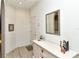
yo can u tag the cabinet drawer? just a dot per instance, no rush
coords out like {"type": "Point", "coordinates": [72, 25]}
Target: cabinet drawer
{"type": "Point", "coordinates": [36, 51]}
{"type": "Point", "coordinates": [46, 54]}
{"type": "Point", "coordinates": [39, 52]}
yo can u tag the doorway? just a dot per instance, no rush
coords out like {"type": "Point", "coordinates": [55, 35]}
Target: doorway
{"type": "Point", "coordinates": [2, 29]}
{"type": "Point", "coordinates": [0, 38]}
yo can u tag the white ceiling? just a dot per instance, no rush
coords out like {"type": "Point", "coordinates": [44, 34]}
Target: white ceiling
{"type": "Point", "coordinates": [25, 3]}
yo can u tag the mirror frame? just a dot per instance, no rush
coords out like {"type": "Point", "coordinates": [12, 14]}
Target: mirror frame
{"type": "Point", "coordinates": [58, 22]}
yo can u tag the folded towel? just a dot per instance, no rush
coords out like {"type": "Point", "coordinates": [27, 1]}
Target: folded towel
{"type": "Point", "coordinates": [29, 47]}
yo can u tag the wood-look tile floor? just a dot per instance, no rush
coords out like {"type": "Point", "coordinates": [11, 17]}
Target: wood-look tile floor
{"type": "Point", "coordinates": [20, 52]}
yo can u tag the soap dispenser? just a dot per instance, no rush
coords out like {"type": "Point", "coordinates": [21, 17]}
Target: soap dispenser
{"type": "Point", "coordinates": [41, 38]}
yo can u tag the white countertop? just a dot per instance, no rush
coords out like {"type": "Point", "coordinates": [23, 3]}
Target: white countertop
{"type": "Point", "coordinates": [55, 49]}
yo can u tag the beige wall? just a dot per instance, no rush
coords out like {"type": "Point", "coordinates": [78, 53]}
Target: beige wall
{"type": "Point", "coordinates": [22, 27]}
{"type": "Point", "coordinates": [10, 38]}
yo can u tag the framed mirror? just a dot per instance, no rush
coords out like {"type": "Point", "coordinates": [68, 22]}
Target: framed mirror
{"type": "Point", "coordinates": [53, 22]}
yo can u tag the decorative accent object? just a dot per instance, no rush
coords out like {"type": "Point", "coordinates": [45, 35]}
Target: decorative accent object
{"type": "Point", "coordinates": [11, 27]}
{"type": "Point", "coordinates": [64, 45]}
{"type": "Point", "coordinates": [41, 37]}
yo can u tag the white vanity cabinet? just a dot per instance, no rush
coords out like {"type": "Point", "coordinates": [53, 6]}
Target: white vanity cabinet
{"type": "Point", "coordinates": [46, 54]}
{"type": "Point", "coordinates": [46, 49]}
{"type": "Point", "coordinates": [36, 51]}
{"type": "Point", "coordinates": [39, 52]}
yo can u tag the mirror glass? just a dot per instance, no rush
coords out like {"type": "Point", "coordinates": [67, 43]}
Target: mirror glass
{"type": "Point", "coordinates": [53, 23]}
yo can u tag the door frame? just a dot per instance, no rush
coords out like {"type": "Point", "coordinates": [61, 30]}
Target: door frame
{"type": "Point", "coordinates": [3, 28]}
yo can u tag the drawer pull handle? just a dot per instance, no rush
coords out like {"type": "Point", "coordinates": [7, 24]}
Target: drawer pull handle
{"type": "Point", "coordinates": [42, 51]}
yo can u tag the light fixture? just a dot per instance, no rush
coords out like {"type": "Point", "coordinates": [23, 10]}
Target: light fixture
{"type": "Point", "coordinates": [20, 3]}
